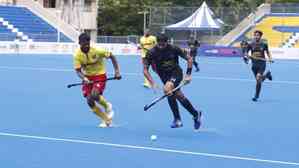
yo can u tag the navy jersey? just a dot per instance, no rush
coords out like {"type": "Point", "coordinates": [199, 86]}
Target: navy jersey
{"type": "Point", "coordinates": [193, 45]}
{"type": "Point", "coordinates": [165, 60]}
{"type": "Point", "coordinates": [258, 49]}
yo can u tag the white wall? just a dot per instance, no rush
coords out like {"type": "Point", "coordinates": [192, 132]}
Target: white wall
{"type": "Point", "coordinates": [62, 48]}
{"type": "Point", "coordinates": [117, 49]}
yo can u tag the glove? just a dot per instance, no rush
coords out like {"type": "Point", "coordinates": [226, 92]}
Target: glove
{"type": "Point", "coordinates": [86, 81]}
{"type": "Point", "coordinates": [245, 59]}
{"type": "Point", "coordinates": [187, 79]}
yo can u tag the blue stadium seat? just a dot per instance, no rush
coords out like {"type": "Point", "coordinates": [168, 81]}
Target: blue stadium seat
{"type": "Point", "coordinates": [6, 34]}
{"type": "Point", "coordinates": [294, 29]}
{"type": "Point", "coordinates": [30, 24]}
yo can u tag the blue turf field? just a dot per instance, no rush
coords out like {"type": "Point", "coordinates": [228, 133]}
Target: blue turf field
{"type": "Point", "coordinates": [43, 124]}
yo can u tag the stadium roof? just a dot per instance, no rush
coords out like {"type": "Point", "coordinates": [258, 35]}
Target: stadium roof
{"type": "Point", "coordinates": [201, 19]}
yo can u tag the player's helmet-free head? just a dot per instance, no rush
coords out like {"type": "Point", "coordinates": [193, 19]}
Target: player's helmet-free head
{"type": "Point", "coordinates": [162, 38]}
{"type": "Point", "coordinates": [162, 41]}
{"type": "Point", "coordinates": [84, 38]}
{"type": "Point", "coordinates": [192, 41]}
{"type": "Point", "coordinates": [258, 35]}
{"type": "Point", "coordinates": [259, 32]}
{"type": "Point", "coordinates": [84, 41]}
{"type": "Point", "coordinates": [147, 32]}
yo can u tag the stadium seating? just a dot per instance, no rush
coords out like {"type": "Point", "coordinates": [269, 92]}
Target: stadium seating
{"type": "Point", "coordinates": [294, 29]}
{"type": "Point", "coordinates": [278, 30]}
{"type": "Point", "coordinates": [29, 24]}
{"type": "Point", "coordinates": [275, 38]}
{"type": "Point", "coordinates": [6, 34]}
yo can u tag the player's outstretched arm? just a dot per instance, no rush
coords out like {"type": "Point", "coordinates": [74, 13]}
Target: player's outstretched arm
{"type": "Point", "coordinates": [82, 76]}
{"type": "Point", "coordinates": [189, 60]}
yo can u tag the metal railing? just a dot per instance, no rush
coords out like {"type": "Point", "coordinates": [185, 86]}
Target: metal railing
{"type": "Point", "coordinates": [118, 39]}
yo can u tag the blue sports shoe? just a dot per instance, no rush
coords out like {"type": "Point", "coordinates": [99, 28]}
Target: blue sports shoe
{"type": "Point", "coordinates": [197, 121]}
{"type": "Point", "coordinates": [255, 99]}
{"type": "Point", "coordinates": [269, 76]}
{"type": "Point", "coordinates": [176, 124]}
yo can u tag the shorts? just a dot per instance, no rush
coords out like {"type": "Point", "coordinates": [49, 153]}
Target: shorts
{"type": "Point", "coordinates": [193, 54]}
{"type": "Point", "coordinates": [258, 66]}
{"type": "Point", "coordinates": [99, 85]}
{"type": "Point", "coordinates": [175, 76]}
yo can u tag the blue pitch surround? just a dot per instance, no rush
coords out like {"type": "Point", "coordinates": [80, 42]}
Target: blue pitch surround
{"type": "Point", "coordinates": [44, 124]}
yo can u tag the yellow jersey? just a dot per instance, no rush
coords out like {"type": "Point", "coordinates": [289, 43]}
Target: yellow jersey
{"type": "Point", "coordinates": [147, 43]}
{"type": "Point", "coordinates": [91, 63]}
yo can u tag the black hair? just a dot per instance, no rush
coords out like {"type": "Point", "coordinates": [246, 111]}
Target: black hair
{"type": "Point", "coordinates": [259, 32]}
{"type": "Point", "coordinates": [193, 41]}
{"type": "Point", "coordinates": [162, 38]}
{"type": "Point", "coordinates": [84, 37]}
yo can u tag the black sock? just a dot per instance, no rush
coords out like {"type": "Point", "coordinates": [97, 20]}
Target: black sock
{"type": "Point", "coordinates": [258, 89]}
{"type": "Point", "coordinates": [195, 64]}
{"type": "Point", "coordinates": [263, 77]}
{"type": "Point", "coordinates": [174, 107]}
{"type": "Point", "coordinates": [188, 106]}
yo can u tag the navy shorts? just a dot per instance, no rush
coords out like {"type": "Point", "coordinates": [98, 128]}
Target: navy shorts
{"type": "Point", "coordinates": [175, 76]}
{"type": "Point", "coordinates": [258, 66]}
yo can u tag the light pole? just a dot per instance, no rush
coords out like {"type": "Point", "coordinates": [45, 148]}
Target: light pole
{"type": "Point", "coordinates": [144, 19]}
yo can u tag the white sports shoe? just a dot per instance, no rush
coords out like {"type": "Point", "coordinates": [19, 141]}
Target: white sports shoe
{"type": "Point", "coordinates": [109, 111]}
{"type": "Point", "coordinates": [146, 85]}
{"type": "Point", "coordinates": [105, 124]}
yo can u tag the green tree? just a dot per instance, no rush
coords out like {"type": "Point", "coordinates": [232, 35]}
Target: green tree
{"type": "Point", "coordinates": [120, 17]}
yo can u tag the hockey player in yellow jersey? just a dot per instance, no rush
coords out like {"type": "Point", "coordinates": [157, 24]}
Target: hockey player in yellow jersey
{"type": "Point", "coordinates": [147, 41]}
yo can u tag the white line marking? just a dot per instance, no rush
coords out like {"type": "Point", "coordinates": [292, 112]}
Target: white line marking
{"type": "Point", "coordinates": [140, 74]}
{"type": "Point", "coordinates": [243, 64]}
{"type": "Point", "coordinates": [227, 79]}
{"type": "Point", "coordinates": [150, 148]}
{"type": "Point", "coordinates": [245, 80]}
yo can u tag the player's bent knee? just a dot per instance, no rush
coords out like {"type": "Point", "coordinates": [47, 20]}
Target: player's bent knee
{"type": "Point", "coordinates": [259, 77]}
{"type": "Point", "coordinates": [179, 94]}
{"type": "Point", "coordinates": [95, 95]}
{"type": "Point", "coordinates": [166, 90]}
{"type": "Point", "coordinates": [168, 87]}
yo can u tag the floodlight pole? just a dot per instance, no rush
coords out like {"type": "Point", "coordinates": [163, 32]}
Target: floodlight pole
{"type": "Point", "coordinates": [144, 19]}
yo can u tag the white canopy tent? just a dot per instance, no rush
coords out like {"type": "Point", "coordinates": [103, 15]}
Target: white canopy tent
{"type": "Point", "coordinates": [201, 19]}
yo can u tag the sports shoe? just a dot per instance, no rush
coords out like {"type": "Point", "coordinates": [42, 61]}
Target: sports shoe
{"type": "Point", "coordinates": [269, 75]}
{"type": "Point", "coordinates": [197, 121]}
{"type": "Point", "coordinates": [176, 124]}
{"type": "Point", "coordinates": [254, 99]}
{"type": "Point", "coordinates": [105, 124]}
{"type": "Point", "coordinates": [109, 111]}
